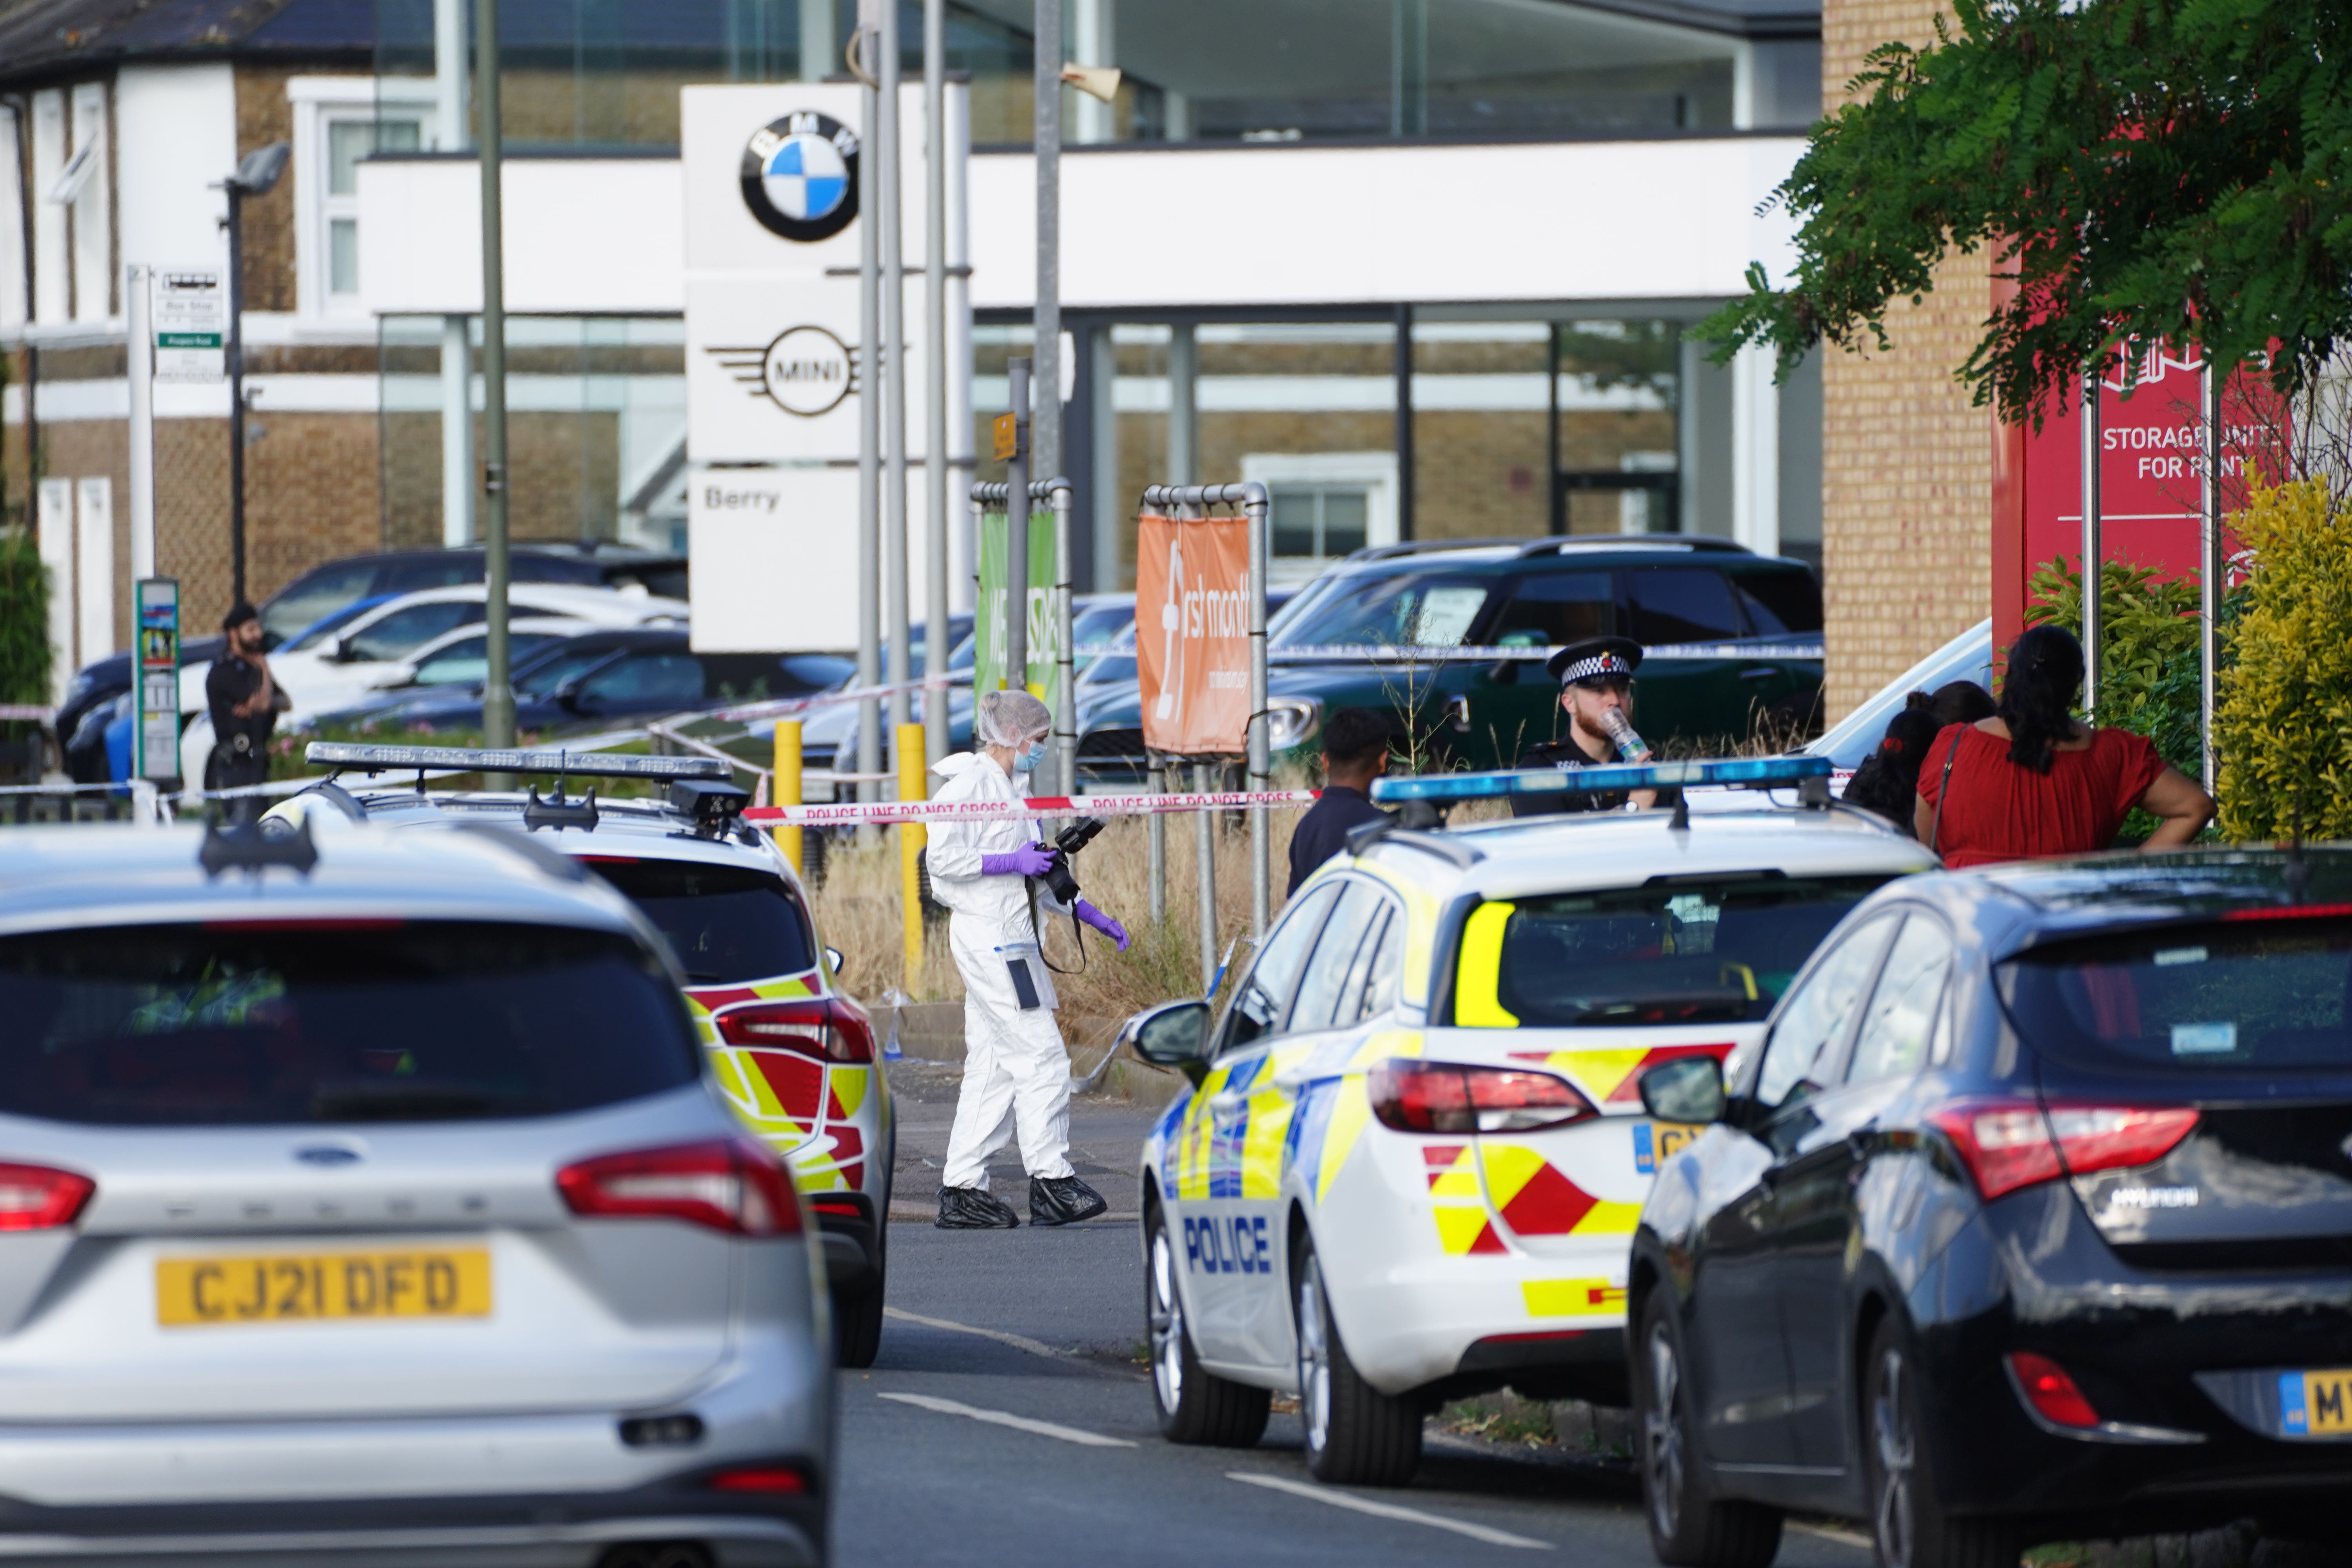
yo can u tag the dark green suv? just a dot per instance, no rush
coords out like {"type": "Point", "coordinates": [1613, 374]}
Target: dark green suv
{"type": "Point", "coordinates": [1450, 642]}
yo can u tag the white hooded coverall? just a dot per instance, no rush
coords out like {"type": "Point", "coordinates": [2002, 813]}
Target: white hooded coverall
{"type": "Point", "coordinates": [1016, 1071]}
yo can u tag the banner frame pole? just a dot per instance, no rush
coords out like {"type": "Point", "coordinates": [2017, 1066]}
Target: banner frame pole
{"type": "Point", "coordinates": [2210, 570]}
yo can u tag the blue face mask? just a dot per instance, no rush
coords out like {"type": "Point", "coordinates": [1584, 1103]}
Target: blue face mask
{"type": "Point", "coordinates": [1029, 761]}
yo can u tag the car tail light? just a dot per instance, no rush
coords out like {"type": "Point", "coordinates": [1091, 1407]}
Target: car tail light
{"type": "Point", "coordinates": [826, 1027]}
{"type": "Point", "coordinates": [2008, 1144]}
{"type": "Point", "coordinates": [733, 1184]}
{"type": "Point", "coordinates": [33, 1197]}
{"type": "Point", "coordinates": [783, 1481]}
{"type": "Point", "coordinates": [2052, 1394]}
{"type": "Point", "coordinates": [1440, 1097]}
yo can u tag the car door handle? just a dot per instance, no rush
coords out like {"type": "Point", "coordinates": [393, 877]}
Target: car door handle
{"type": "Point", "coordinates": [1760, 672]}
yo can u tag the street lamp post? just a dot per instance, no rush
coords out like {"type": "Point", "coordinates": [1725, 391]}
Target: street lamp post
{"type": "Point", "coordinates": [497, 692]}
{"type": "Point", "coordinates": [256, 176]}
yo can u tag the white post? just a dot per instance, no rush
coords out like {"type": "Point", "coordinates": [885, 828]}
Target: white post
{"type": "Point", "coordinates": [2092, 555]}
{"type": "Point", "coordinates": [819, 41]}
{"type": "Point", "coordinates": [1205, 842]}
{"type": "Point", "coordinates": [458, 481]}
{"type": "Point", "coordinates": [936, 151]}
{"type": "Point", "coordinates": [1065, 698]}
{"type": "Point", "coordinates": [893, 386]}
{"type": "Point", "coordinates": [138, 351]}
{"type": "Point", "coordinates": [1260, 762]}
{"type": "Point", "coordinates": [869, 379]}
{"type": "Point", "coordinates": [94, 539]}
{"type": "Point", "coordinates": [1756, 449]}
{"type": "Point", "coordinates": [55, 504]}
{"type": "Point", "coordinates": [2212, 565]}
{"type": "Point", "coordinates": [1094, 42]}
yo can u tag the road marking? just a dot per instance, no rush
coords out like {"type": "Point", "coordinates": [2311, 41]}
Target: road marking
{"type": "Point", "coordinates": [1385, 1509]}
{"type": "Point", "coordinates": [1018, 1341]}
{"type": "Point", "coordinates": [1018, 1423]}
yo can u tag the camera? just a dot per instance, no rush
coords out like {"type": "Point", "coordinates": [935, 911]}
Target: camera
{"type": "Point", "coordinates": [1066, 842]}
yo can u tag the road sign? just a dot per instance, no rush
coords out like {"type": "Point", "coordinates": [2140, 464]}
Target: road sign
{"type": "Point", "coordinates": [191, 316]}
{"type": "Point", "coordinates": [156, 730]}
{"type": "Point", "coordinates": [1008, 438]}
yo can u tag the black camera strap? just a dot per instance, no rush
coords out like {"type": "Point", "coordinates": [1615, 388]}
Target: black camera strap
{"type": "Point", "coordinates": [1078, 932]}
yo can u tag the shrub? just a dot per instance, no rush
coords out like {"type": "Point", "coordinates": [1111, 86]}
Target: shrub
{"type": "Point", "coordinates": [2284, 725]}
{"type": "Point", "coordinates": [24, 619]}
{"type": "Point", "coordinates": [2149, 677]}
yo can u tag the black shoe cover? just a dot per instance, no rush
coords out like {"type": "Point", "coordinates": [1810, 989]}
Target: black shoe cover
{"type": "Point", "coordinates": [970, 1208]}
{"type": "Point", "coordinates": [1063, 1200]}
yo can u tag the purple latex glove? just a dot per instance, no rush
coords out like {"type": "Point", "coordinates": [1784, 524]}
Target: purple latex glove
{"type": "Point", "coordinates": [1101, 922]}
{"type": "Point", "coordinates": [1029, 860]}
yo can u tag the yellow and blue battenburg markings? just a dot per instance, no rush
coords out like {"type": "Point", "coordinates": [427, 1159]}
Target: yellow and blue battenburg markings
{"type": "Point", "coordinates": [1745, 772]}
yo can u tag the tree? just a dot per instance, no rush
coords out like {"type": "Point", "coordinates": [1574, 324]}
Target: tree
{"type": "Point", "coordinates": [2158, 170]}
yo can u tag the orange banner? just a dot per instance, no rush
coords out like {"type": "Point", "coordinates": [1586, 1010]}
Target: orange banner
{"type": "Point", "coordinates": [1193, 594]}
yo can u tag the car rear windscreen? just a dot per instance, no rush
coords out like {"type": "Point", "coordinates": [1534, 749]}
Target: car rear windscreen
{"type": "Point", "coordinates": [1674, 951]}
{"type": "Point", "coordinates": [725, 923]}
{"type": "Point", "coordinates": [2266, 993]}
{"type": "Point", "coordinates": [256, 1023]}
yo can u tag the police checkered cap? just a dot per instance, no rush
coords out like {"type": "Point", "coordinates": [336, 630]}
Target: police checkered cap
{"type": "Point", "coordinates": [1600, 665]}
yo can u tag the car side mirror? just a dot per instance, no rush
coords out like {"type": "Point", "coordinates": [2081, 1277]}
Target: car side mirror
{"type": "Point", "coordinates": [344, 652]}
{"type": "Point", "coordinates": [1172, 1035]}
{"type": "Point", "coordinates": [1687, 1089]}
{"type": "Point", "coordinates": [833, 960]}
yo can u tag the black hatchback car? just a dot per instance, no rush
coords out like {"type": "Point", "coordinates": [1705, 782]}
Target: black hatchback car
{"type": "Point", "coordinates": [2030, 1218]}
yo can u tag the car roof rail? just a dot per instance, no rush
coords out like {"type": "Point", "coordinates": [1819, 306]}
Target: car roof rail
{"type": "Point", "coordinates": [257, 846]}
{"type": "Point", "coordinates": [1562, 544]}
{"type": "Point", "coordinates": [1425, 547]}
{"type": "Point", "coordinates": [557, 813]}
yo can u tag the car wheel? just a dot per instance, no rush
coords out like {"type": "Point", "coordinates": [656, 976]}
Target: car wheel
{"type": "Point", "coordinates": [1356, 1435]}
{"type": "Point", "coordinates": [1195, 1407]}
{"type": "Point", "coordinates": [857, 1314]}
{"type": "Point", "coordinates": [1908, 1525]}
{"type": "Point", "coordinates": [1687, 1528]}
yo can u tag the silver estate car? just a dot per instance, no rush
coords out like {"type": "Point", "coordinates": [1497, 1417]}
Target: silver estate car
{"type": "Point", "coordinates": [368, 1199]}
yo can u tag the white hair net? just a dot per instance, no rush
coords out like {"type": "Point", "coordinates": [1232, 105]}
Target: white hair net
{"type": "Point", "coordinates": [1009, 718]}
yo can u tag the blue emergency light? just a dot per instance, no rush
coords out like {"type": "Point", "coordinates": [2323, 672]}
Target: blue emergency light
{"type": "Point", "coordinates": [1736, 772]}
{"type": "Point", "coordinates": [361, 758]}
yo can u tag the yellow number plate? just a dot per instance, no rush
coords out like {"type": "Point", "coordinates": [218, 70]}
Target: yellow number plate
{"type": "Point", "coordinates": [2312, 1402]}
{"type": "Point", "coordinates": [440, 1283]}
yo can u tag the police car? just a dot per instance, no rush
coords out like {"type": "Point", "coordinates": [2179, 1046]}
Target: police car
{"type": "Point", "coordinates": [1413, 1155]}
{"type": "Point", "coordinates": [794, 1054]}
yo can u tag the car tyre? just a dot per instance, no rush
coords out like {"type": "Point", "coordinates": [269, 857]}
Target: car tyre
{"type": "Point", "coordinates": [1909, 1526]}
{"type": "Point", "coordinates": [1687, 1528]}
{"type": "Point", "coordinates": [1356, 1435]}
{"type": "Point", "coordinates": [1195, 1407]}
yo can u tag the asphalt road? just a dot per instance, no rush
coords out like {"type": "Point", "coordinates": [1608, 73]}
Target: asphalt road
{"type": "Point", "coordinates": [1009, 1420]}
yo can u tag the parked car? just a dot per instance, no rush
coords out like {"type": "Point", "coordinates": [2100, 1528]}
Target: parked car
{"type": "Point", "coordinates": [1412, 1157]}
{"type": "Point", "coordinates": [2026, 1220]}
{"type": "Point", "coordinates": [1734, 644]}
{"type": "Point", "coordinates": [371, 1190]}
{"type": "Point", "coordinates": [1967, 657]}
{"type": "Point", "coordinates": [335, 585]}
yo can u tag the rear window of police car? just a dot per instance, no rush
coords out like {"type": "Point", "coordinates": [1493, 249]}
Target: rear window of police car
{"type": "Point", "coordinates": [725, 923]}
{"type": "Point", "coordinates": [267, 1021]}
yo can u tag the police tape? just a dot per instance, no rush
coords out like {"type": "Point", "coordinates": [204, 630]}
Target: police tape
{"type": "Point", "coordinates": [1038, 806]}
{"type": "Point", "coordinates": [27, 712]}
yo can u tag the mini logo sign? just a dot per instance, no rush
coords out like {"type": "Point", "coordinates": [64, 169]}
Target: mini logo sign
{"type": "Point", "coordinates": [800, 177]}
{"type": "Point", "coordinates": [805, 371]}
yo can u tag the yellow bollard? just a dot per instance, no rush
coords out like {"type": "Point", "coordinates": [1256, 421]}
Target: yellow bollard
{"type": "Point", "coordinates": [911, 838]}
{"type": "Point", "coordinates": [788, 785]}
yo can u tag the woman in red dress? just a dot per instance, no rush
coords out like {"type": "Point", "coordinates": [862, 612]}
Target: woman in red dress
{"type": "Point", "coordinates": [2032, 780]}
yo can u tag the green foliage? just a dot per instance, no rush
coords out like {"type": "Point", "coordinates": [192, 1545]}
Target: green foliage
{"type": "Point", "coordinates": [2149, 679]}
{"type": "Point", "coordinates": [24, 619]}
{"type": "Point", "coordinates": [2284, 726]}
{"type": "Point", "coordinates": [2158, 170]}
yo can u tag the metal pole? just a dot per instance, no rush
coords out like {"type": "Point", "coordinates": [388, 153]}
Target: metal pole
{"type": "Point", "coordinates": [497, 692]}
{"type": "Point", "coordinates": [1046, 444]}
{"type": "Point", "coordinates": [1261, 764]}
{"type": "Point", "coordinates": [1403, 372]}
{"type": "Point", "coordinates": [139, 349]}
{"type": "Point", "coordinates": [1183, 390]}
{"type": "Point", "coordinates": [2211, 567]}
{"type": "Point", "coordinates": [2092, 555]}
{"type": "Point", "coordinates": [1016, 534]}
{"type": "Point", "coordinates": [893, 275]}
{"type": "Point", "coordinates": [456, 348]}
{"type": "Point", "coordinates": [1205, 840]}
{"type": "Point", "coordinates": [1065, 699]}
{"type": "Point", "coordinates": [935, 374]}
{"type": "Point", "coordinates": [236, 392]}
{"type": "Point", "coordinates": [869, 432]}
{"type": "Point", "coordinates": [1156, 834]}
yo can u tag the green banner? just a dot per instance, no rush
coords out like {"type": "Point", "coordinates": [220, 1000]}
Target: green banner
{"type": "Point", "coordinates": [1045, 627]}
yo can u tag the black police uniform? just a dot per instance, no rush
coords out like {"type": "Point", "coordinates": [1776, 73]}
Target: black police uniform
{"type": "Point", "coordinates": [1323, 831]}
{"type": "Point", "coordinates": [1594, 659]}
{"type": "Point", "coordinates": [240, 754]}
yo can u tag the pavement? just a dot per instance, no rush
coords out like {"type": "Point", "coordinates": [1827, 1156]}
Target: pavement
{"type": "Point", "coordinates": [1008, 1417]}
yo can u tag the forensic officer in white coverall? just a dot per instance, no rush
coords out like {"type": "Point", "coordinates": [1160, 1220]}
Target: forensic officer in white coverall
{"type": "Point", "coordinates": [1016, 1071]}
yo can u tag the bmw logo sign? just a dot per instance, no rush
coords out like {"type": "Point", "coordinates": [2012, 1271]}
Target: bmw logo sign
{"type": "Point", "coordinates": [800, 177]}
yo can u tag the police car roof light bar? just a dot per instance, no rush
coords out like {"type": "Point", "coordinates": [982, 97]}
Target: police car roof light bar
{"type": "Point", "coordinates": [1738, 772]}
{"type": "Point", "coordinates": [355, 757]}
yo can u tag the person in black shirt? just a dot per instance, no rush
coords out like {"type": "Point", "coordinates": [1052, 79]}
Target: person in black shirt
{"type": "Point", "coordinates": [1355, 752]}
{"type": "Point", "coordinates": [1596, 678]}
{"type": "Point", "coordinates": [245, 702]}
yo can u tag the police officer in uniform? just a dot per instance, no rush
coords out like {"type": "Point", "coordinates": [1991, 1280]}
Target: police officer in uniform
{"type": "Point", "coordinates": [1596, 678]}
{"type": "Point", "coordinates": [245, 701]}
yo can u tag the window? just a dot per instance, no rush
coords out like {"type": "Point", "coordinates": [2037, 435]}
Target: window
{"type": "Point", "coordinates": [348, 142]}
{"type": "Point", "coordinates": [312, 596]}
{"type": "Point", "coordinates": [1803, 1045]}
{"type": "Point", "coordinates": [467, 661]}
{"type": "Point", "coordinates": [1679, 605]}
{"type": "Point", "coordinates": [1901, 1019]}
{"type": "Point", "coordinates": [339, 121]}
{"type": "Point", "coordinates": [564, 665]}
{"type": "Point", "coordinates": [647, 679]}
{"type": "Point", "coordinates": [1318, 522]}
{"type": "Point", "coordinates": [402, 632]}
{"type": "Point", "coordinates": [1556, 608]}
{"type": "Point", "coordinates": [1258, 1005]}
{"type": "Point", "coordinates": [1327, 975]}
{"type": "Point", "coordinates": [725, 923]}
{"type": "Point", "coordinates": [1404, 609]}
{"type": "Point", "coordinates": [1779, 604]}
{"type": "Point", "coordinates": [1384, 970]}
